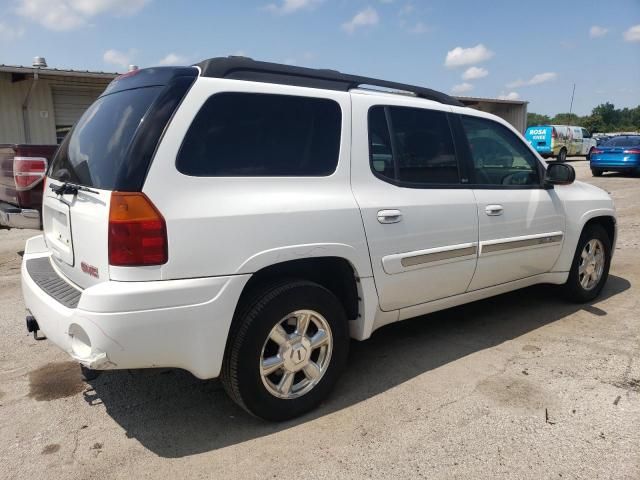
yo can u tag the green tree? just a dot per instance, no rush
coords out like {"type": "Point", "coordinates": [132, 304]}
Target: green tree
{"type": "Point", "coordinates": [537, 119]}
{"type": "Point", "coordinates": [593, 123]}
{"type": "Point", "coordinates": [608, 113]}
{"type": "Point", "coordinates": [566, 119]}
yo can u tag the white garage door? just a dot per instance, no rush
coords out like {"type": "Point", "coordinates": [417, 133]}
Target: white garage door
{"type": "Point", "coordinates": [69, 103]}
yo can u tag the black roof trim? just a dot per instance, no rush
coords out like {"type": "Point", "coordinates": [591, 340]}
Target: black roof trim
{"type": "Point", "coordinates": [243, 68]}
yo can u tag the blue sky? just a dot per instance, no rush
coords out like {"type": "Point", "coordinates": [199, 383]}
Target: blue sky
{"type": "Point", "coordinates": [532, 50]}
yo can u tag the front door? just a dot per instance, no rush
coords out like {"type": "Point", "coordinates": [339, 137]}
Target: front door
{"type": "Point", "coordinates": [421, 222]}
{"type": "Point", "coordinates": [521, 224]}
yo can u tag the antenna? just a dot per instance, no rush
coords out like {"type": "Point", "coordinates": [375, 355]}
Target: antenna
{"type": "Point", "coordinates": [571, 106]}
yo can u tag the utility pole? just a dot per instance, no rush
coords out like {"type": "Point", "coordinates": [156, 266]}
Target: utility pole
{"type": "Point", "coordinates": [572, 94]}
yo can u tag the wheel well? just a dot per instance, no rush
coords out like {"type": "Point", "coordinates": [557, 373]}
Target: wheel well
{"type": "Point", "coordinates": [608, 223]}
{"type": "Point", "coordinates": [334, 273]}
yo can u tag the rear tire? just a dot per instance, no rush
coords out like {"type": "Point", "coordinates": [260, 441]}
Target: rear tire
{"type": "Point", "coordinates": [589, 154]}
{"type": "Point", "coordinates": [271, 367]}
{"type": "Point", "coordinates": [590, 267]}
{"type": "Point", "coordinates": [596, 172]}
{"type": "Point", "coordinates": [562, 155]}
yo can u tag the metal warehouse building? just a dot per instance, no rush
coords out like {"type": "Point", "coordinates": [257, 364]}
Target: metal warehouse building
{"type": "Point", "coordinates": [38, 105]}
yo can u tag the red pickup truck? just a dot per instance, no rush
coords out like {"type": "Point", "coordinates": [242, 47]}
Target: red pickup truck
{"type": "Point", "coordinates": [22, 169]}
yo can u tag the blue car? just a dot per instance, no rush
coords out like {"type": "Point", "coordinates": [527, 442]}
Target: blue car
{"type": "Point", "coordinates": [619, 154]}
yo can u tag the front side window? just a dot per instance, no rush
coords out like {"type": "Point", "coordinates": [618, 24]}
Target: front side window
{"type": "Point", "coordinates": [262, 135]}
{"type": "Point", "coordinates": [412, 146]}
{"type": "Point", "coordinates": [499, 156]}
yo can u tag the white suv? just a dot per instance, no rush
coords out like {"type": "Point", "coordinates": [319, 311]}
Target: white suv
{"type": "Point", "coordinates": [244, 220]}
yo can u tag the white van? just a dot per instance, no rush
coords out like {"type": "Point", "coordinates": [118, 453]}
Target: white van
{"type": "Point", "coordinates": [560, 141]}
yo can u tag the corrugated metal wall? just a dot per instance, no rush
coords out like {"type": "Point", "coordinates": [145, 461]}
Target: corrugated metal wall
{"type": "Point", "coordinates": [515, 114]}
{"type": "Point", "coordinates": [41, 112]}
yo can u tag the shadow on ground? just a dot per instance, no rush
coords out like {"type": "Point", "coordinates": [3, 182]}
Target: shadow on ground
{"type": "Point", "coordinates": [174, 414]}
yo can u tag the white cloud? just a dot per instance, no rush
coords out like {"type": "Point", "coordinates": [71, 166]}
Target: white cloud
{"type": "Point", "coordinates": [173, 59]}
{"type": "Point", "coordinates": [459, 56]}
{"type": "Point", "coordinates": [286, 7]}
{"type": "Point", "coordinates": [633, 34]}
{"type": "Point", "coordinates": [406, 9]}
{"type": "Point", "coordinates": [418, 29]}
{"type": "Point", "coordinates": [461, 88]}
{"type": "Point", "coordinates": [364, 18]}
{"type": "Point", "coordinates": [8, 32]}
{"type": "Point", "coordinates": [509, 96]}
{"type": "Point", "coordinates": [597, 31]}
{"type": "Point", "coordinates": [63, 15]}
{"type": "Point", "coordinates": [473, 73]}
{"type": "Point", "coordinates": [118, 58]}
{"type": "Point", "coordinates": [535, 80]}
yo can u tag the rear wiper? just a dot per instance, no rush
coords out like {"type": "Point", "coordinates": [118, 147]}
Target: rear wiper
{"type": "Point", "coordinates": [68, 188]}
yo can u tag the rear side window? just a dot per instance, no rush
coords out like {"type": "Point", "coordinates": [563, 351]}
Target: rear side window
{"type": "Point", "coordinates": [95, 153]}
{"type": "Point", "coordinates": [250, 134]}
{"type": "Point", "coordinates": [412, 146]}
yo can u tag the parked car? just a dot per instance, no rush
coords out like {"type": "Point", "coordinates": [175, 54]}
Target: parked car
{"type": "Point", "coordinates": [244, 219]}
{"type": "Point", "coordinates": [560, 141]}
{"type": "Point", "coordinates": [22, 170]}
{"type": "Point", "coordinates": [618, 154]}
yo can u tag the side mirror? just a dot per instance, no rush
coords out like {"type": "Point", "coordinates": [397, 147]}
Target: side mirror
{"type": "Point", "coordinates": [559, 174]}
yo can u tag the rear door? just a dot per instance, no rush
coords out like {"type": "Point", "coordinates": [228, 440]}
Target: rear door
{"type": "Point", "coordinates": [420, 219]}
{"type": "Point", "coordinates": [110, 148]}
{"type": "Point", "coordinates": [577, 140]}
{"type": "Point", "coordinates": [521, 223]}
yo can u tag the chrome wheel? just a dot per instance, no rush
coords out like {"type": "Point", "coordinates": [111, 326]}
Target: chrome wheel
{"type": "Point", "coordinates": [296, 354]}
{"type": "Point", "coordinates": [592, 260]}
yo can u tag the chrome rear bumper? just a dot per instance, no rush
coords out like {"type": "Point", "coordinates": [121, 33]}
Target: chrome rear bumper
{"type": "Point", "coordinates": [16, 217]}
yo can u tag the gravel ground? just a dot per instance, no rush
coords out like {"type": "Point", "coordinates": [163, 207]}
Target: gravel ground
{"type": "Point", "coordinates": [523, 385]}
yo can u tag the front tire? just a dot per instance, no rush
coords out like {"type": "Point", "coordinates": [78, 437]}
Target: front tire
{"type": "Point", "coordinates": [562, 155]}
{"type": "Point", "coordinates": [287, 347]}
{"type": "Point", "coordinates": [590, 267]}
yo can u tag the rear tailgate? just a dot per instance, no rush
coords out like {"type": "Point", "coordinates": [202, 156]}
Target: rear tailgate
{"type": "Point", "coordinates": [8, 191]}
{"type": "Point", "coordinates": [109, 149]}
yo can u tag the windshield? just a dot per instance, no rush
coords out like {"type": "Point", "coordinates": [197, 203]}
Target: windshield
{"type": "Point", "coordinates": [95, 153]}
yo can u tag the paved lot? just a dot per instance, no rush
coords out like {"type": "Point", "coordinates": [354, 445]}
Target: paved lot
{"type": "Point", "coordinates": [520, 386]}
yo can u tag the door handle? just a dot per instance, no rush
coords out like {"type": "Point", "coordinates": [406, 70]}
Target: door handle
{"type": "Point", "coordinates": [389, 216]}
{"type": "Point", "coordinates": [494, 210]}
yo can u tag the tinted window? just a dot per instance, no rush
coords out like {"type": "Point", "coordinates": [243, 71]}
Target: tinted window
{"type": "Point", "coordinates": [95, 152]}
{"type": "Point", "coordinates": [626, 141]}
{"type": "Point", "coordinates": [248, 134]}
{"type": "Point", "coordinates": [499, 156]}
{"type": "Point", "coordinates": [412, 146]}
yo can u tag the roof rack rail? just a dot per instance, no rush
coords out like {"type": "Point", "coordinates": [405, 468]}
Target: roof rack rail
{"type": "Point", "coordinates": [244, 68]}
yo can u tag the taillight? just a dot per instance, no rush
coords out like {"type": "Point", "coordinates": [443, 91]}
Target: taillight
{"type": "Point", "coordinates": [137, 231]}
{"type": "Point", "coordinates": [27, 171]}
{"type": "Point", "coordinates": [596, 151]}
{"type": "Point", "coordinates": [554, 134]}
{"type": "Point", "coordinates": [632, 151]}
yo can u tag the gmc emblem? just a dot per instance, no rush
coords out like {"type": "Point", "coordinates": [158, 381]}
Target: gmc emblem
{"type": "Point", "coordinates": [89, 269]}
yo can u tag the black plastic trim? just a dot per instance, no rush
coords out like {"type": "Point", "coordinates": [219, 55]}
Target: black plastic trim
{"type": "Point", "coordinates": [43, 274]}
{"type": "Point", "coordinates": [243, 68]}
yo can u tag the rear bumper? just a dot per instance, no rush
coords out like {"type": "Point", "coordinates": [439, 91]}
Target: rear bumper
{"type": "Point", "coordinates": [621, 163]}
{"type": "Point", "coordinates": [16, 217]}
{"type": "Point", "coordinates": [122, 325]}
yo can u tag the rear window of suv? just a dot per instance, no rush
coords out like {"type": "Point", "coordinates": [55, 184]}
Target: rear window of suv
{"type": "Point", "coordinates": [96, 151]}
{"type": "Point", "coordinates": [260, 135]}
